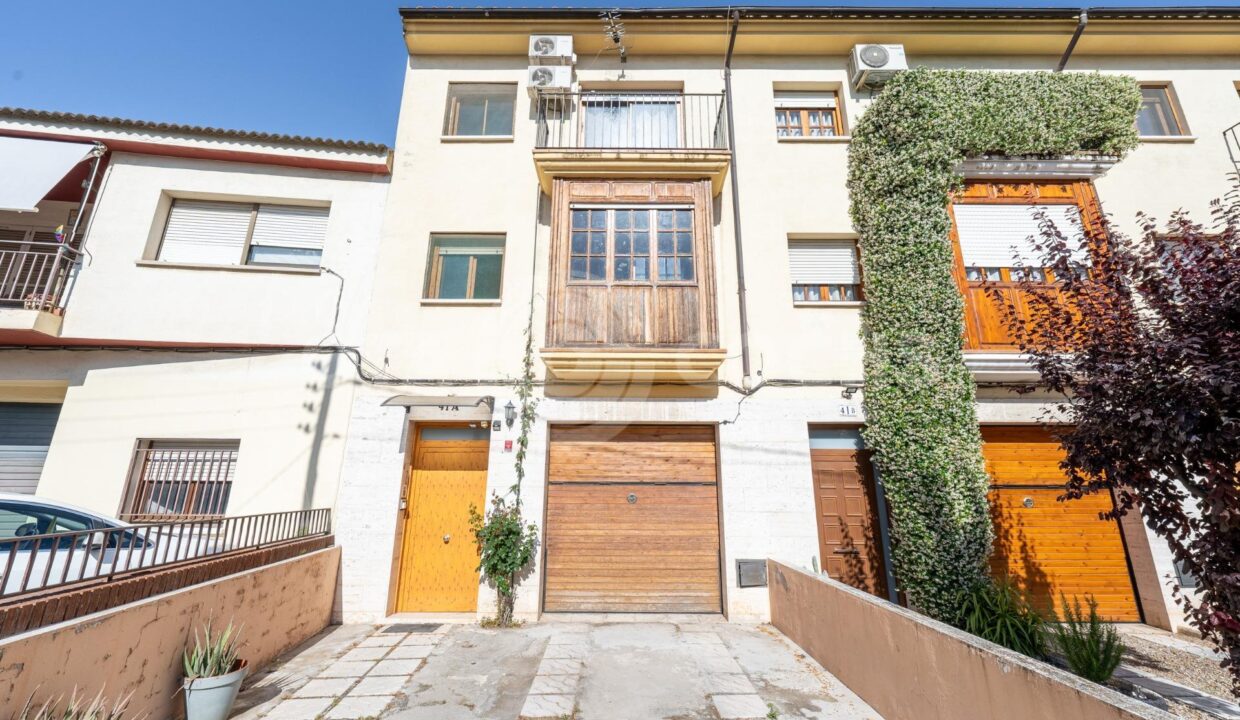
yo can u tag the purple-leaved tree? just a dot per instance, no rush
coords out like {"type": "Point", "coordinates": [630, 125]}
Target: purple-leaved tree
{"type": "Point", "coordinates": [1144, 345]}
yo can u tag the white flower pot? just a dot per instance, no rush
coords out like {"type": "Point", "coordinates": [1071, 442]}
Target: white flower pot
{"type": "Point", "coordinates": [212, 698]}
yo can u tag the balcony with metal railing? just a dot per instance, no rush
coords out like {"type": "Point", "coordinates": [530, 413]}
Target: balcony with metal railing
{"type": "Point", "coordinates": [631, 134]}
{"type": "Point", "coordinates": [33, 280]}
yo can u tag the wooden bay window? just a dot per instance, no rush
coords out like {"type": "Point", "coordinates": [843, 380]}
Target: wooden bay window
{"type": "Point", "coordinates": [631, 265]}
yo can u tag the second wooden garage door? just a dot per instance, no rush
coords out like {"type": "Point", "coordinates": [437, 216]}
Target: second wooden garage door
{"type": "Point", "coordinates": [632, 520]}
{"type": "Point", "coordinates": [1049, 546]}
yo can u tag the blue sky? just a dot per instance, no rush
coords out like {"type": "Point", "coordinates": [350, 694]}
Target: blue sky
{"type": "Point", "coordinates": [310, 67]}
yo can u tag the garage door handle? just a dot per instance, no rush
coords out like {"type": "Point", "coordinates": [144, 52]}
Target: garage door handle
{"type": "Point", "coordinates": [849, 551]}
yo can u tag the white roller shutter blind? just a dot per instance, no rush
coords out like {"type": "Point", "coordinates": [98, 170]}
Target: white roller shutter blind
{"type": "Point", "coordinates": [995, 235]}
{"type": "Point", "coordinates": [824, 262]}
{"type": "Point", "coordinates": [290, 226]}
{"type": "Point", "coordinates": [796, 99]}
{"type": "Point", "coordinates": [206, 233]}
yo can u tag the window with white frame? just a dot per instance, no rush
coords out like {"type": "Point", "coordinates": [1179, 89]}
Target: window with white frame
{"type": "Point", "coordinates": [824, 271]}
{"type": "Point", "coordinates": [208, 232]}
{"type": "Point", "coordinates": [181, 478]}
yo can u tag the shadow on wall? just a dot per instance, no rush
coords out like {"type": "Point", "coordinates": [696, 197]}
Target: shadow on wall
{"type": "Point", "coordinates": [1013, 556]}
{"type": "Point", "coordinates": [318, 428]}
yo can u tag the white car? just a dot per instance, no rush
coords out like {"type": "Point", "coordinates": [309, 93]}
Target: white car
{"type": "Point", "coordinates": [44, 543]}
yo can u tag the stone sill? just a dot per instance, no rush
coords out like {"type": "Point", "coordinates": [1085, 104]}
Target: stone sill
{"type": "Point", "coordinates": [276, 269]}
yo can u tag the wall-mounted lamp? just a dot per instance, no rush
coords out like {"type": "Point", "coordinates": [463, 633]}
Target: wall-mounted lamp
{"type": "Point", "coordinates": [510, 413]}
{"type": "Point", "coordinates": [849, 391]}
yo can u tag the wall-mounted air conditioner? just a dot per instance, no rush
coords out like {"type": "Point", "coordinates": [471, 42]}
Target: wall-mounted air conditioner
{"type": "Point", "coordinates": [873, 65]}
{"type": "Point", "coordinates": [552, 50]}
{"type": "Point", "coordinates": [550, 78]}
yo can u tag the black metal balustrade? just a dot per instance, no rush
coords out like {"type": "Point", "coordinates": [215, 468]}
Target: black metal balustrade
{"type": "Point", "coordinates": [34, 563]}
{"type": "Point", "coordinates": [631, 121]}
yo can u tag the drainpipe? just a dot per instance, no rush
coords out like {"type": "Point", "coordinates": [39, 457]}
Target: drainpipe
{"type": "Point", "coordinates": [736, 200]}
{"type": "Point", "coordinates": [1081, 22]}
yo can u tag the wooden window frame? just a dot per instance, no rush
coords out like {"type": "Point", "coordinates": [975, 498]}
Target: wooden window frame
{"type": "Point", "coordinates": [632, 315]}
{"type": "Point", "coordinates": [1080, 193]}
{"type": "Point", "coordinates": [451, 118]}
{"type": "Point", "coordinates": [609, 247]}
{"type": "Point", "coordinates": [249, 233]}
{"type": "Point", "coordinates": [435, 268]}
{"type": "Point", "coordinates": [824, 291]}
{"type": "Point", "coordinates": [802, 114]}
{"type": "Point", "coordinates": [1173, 104]}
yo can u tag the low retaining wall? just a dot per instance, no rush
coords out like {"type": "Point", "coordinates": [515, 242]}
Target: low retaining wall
{"type": "Point", "coordinates": [78, 601]}
{"type": "Point", "coordinates": [909, 667]}
{"type": "Point", "coordinates": [136, 648]}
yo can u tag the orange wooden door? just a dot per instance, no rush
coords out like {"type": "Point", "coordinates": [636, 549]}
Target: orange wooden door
{"type": "Point", "coordinates": [1047, 546]}
{"type": "Point", "coordinates": [632, 520]}
{"type": "Point", "coordinates": [848, 536]}
{"type": "Point", "coordinates": [438, 557]}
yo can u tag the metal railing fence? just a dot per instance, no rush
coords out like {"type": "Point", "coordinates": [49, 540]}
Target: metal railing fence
{"type": "Point", "coordinates": [35, 563]}
{"type": "Point", "coordinates": [33, 274]}
{"type": "Point", "coordinates": [631, 121]}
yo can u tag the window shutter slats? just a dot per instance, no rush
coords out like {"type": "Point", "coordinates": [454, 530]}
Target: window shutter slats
{"type": "Point", "coordinates": [824, 262]}
{"type": "Point", "coordinates": [825, 99]}
{"type": "Point", "coordinates": [996, 235]}
{"type": "Point", "coordinates": [208, 233]}
{"type": "Point", "coordinates": [290, 226]}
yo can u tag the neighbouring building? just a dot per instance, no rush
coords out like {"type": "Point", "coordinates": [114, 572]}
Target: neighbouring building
{"type": "Point", "coordinates": [172, 304]}
{"type": "Point", "coordinates": [690, 278]}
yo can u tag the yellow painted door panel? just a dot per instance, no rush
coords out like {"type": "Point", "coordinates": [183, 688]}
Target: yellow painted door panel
{"type": "Point", "coordinates": [439, 560]}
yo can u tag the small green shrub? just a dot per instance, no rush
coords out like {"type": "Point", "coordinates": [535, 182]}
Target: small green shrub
{"type": "Point", "coordinates": [212, 655]}
{"type": "Point", "coordinates": [1000, 612]}
{"type": "Point", "coordinates": [77, 709]}
{"type": "Point", "coordinates": [506, 547]}
{"type": "Point", "coordinates": [1092, 647]}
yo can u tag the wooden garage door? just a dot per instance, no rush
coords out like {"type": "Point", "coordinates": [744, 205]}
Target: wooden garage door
{"type": "Point", "coordinates": [1050, 546]}
{"type": "Point", "coordinates": [632, 520]}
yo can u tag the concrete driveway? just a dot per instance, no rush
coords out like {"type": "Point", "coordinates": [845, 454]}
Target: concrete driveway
{"type": "Point", "coordinates": [558, 669]}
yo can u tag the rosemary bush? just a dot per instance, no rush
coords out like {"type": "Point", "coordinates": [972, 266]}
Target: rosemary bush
{"type": "Point", "coordinates": [1092, 647]}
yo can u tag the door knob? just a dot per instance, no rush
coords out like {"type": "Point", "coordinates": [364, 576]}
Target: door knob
{"type": "Point", "coordinates": [447, 539]}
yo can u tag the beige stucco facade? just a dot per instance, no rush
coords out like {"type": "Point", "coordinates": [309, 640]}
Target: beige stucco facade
{"type": "Point", "coordinates": [789, 189]}
{"type": "Point", "coordinates": [145, 350]}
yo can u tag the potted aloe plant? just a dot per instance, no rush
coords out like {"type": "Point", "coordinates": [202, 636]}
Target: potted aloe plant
{"type": "Point", "coordinates": [213, 674]}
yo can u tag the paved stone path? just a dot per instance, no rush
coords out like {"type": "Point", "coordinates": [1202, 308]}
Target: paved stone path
{"type": "Point", "coordinates": [582, 671]}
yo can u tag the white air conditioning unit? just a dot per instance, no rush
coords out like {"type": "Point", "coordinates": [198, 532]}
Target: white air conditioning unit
{"type": "Point", "coordinates": [873, 65]}
{"type": "Point", "coordinates": [550, 78]}
{"type": "Point", "coordinates": [552, 50]}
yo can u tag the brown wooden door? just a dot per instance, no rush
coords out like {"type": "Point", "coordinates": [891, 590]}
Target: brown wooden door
{"type": "Point", "coordinates": [632, 520]}
{"type": "Point", "coordinates": [848, 533]}
{"type": "Point", "coordinates": [1049, 546]}
{"type": "Point", "coordinates": [438, 556]}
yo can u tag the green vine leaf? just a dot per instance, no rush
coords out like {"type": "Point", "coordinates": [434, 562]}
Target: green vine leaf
{"type": "Point", "coordinates": [919, 396]}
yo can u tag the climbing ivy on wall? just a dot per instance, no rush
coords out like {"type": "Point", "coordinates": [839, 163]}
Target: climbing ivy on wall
{"type": "Point", "coordinates": [919, 396]}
